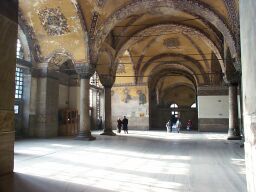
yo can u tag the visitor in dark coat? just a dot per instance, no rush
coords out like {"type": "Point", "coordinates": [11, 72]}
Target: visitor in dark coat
{"type": "Point", "coordinates": [125, 124]}
{"type": "Point", "coordinates": [119, 125]}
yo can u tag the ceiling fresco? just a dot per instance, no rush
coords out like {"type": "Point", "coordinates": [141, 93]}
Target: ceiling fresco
{"type": "Point", "coordinates": [136, 40]}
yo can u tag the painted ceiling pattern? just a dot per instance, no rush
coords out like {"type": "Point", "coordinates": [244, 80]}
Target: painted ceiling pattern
{"type": "Point", "coordinates": [53, 21]}
{"type": "Point", "coordinates": [164, 37]}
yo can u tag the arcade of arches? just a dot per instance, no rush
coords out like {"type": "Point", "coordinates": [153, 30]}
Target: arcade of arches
{"type": "Point", "coordinates": [88, 62]}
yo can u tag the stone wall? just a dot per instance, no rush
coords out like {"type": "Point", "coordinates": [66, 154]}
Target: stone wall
{"type": "Point", "coordinates": [47, 107]}
{"type": "Point", "coordinates": [8, 34]}
{"type": "Point", "coordinates": [63, 96]}
{"type": "Point", "coordinates": [248, 47]}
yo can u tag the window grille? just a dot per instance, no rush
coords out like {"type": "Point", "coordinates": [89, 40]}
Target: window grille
{"type": "Point", "coordinates": [18, 83]}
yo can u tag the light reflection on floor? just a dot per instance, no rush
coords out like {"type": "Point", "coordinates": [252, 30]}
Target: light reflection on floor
{"type": "Point", "coordinates": [140, 161]}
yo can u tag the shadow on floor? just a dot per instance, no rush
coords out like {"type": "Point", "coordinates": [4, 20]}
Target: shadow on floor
{"type": "Point", "coordinates": [18, 182]}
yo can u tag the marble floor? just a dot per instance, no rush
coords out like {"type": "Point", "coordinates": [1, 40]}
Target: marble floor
{"type": "Point", "coordinates": [138, 162]}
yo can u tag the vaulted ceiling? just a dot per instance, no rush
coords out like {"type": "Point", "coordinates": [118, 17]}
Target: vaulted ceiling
{"type": "Point", "coordinates": [142, 40]}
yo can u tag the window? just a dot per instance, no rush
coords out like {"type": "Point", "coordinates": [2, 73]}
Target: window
{"type": "Point", "coordinates": [173, 107]}
{"type": "Point", "coordinates": [95, 80]}
{"type": "Point", "coordinates": [91, 97]}
{"type": "Point", "coordinates": [19, 50]}
{"type": "Point", "coordinates": [193, 105]}
{"type": "Point", "coordinates": [16, 109]}
{"type": "Point", "coordinates": [175, 113]}
{"type": "Point", "coordinates": [18, 83]}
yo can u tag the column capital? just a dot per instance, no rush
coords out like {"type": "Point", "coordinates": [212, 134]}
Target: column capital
{"type": "Point", "coordinates": [85, 71]}
{"type": "Point", "coordinates": [41, 72]}
{"type": "Point", "coordinates": [107, 80]}
{"type": "Point", "coordinates": [232, 78]}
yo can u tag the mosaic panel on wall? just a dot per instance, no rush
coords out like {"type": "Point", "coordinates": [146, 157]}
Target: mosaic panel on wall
{"type": "Point", "coordinates": [53, 21]}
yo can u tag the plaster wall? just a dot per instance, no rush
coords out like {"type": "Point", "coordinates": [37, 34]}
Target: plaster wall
{"type": "Point", "coordinates": [213, 113]}
{"type": "Point", "coordinates": [213, 106]}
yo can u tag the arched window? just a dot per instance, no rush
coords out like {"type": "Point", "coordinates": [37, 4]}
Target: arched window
{"type": "Point", "coordinates": [173, 107]}
{"type": "Point", "coordinates": [95, 80]}
{"type": "Point", "coordinates": [193, 105]}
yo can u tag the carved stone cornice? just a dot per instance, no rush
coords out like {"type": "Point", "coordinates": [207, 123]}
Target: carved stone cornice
{"type": "Point", "coordinates": [85, 71]}
{"type": "Point", "coordinates": [107, 80]}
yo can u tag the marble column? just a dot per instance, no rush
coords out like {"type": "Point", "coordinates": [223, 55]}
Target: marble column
{"type": "Point", "coordinates": [8, 34]}
{"type": "Point", "coordinates": [85, 127]}
{"type": "Point", "coordinates": [108, 112]}
{"type": "Point", "coordinates": [233, 131]}
{"type": "Point", "coordinates": [248, 47]}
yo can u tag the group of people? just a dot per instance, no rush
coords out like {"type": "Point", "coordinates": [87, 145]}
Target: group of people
{"type": "Point", "coordinates": [122, 124]}
{"type": "Point", "coordinates": [175, 124]}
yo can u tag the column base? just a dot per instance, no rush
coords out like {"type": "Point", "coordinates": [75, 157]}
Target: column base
{"type": "Point", "coordinates": [85, 136]}
{"type": "Point", "coordinates": [108, 133]}
{"type": "Point", "coordinates": [232, 135]}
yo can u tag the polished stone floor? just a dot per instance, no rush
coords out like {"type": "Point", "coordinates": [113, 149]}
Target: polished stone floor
{"type": "Point", "coordinates": [137, 162]}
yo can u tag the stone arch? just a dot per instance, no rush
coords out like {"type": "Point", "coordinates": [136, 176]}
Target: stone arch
{"type": "Point", "coordinates": [33, 43]}
{"type": "Point", "coordinates": [179, 65]}
{"type": "Point", "coordinates": [170, 88]}
{"type": "Point", "coordinates": [33, 40]}
{"type": "Point", "coordinates": [183, 57]}
{"type": "Point", "coordinates": [24, 43]}
{"type": "Point", "coordinates": [57, 58]}
{"type": "Point", "coordinates": [189, 31]}
{"type": "Point", "coordinates": [189, 6]}
{"type": "Point", "coordinates": [156, 76]}
{"type": "Point", "coordinates": [182, 84]}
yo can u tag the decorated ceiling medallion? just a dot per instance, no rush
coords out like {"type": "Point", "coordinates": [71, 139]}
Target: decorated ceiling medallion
{"type": "Point", "coordinates": [172, 43]}
{"type": "Point", "coordinates": [53, 21]}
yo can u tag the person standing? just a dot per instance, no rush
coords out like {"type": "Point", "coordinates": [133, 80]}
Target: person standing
{"type": "Point", "coordinates": [173, 122]}
{"type": "Point", "coordinates": [189, 125]}
{"type": "Point", "coordinates": [125, 124]}
{"type": "Point", "coordinates": [119, 125]}
{"type": "Point", "coordinates": [99, 123]}
{"type": "Point", "coordinates": [178, 125]}
{"type": "Point", "coordinates": [168, 126]}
